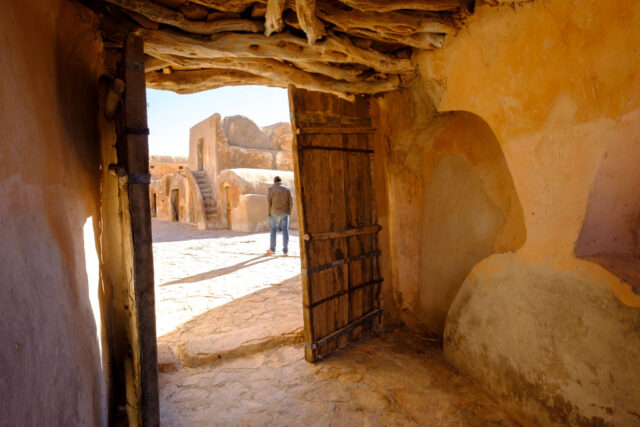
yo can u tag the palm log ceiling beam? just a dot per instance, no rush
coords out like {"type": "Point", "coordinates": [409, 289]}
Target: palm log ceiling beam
{"type": "Point", "coordinates": [263, 67]}
{"type": "Point", "coordinates": [236, 6]}
{"type": "Point", "coordinates": [196, 81]}
{"type": "Point", "coordinates": [427, 41]}
{"type": "Point", "coordinates": [351, 46]}
{"type": "Point", "coordinates": [167, 16]}
{"type": "Point", "coordinates": [401, 24]}
{"type": "Point", "coordinates": [392, 5]}
{"type": "Point", "coordinates": [283, 46]}
{"type": "Point", "coordinates": [273, 18]}
{"type": "Point", "coordinates": [270, 74]}
{"type": "Point", "coordinates": [312, 26]}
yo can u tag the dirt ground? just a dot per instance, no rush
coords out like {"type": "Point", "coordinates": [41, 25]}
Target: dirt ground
{"type": "Point", "coordinates": [230, 348]}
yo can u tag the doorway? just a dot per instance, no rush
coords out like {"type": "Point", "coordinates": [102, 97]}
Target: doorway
{"type": "Point", "coordinates": [200, 154]}
{"type": "Point", "coordinates": [226, 192]}
{"type": "Point", "coordinates": [175, 205]}
{"type": "Point", "coordinates": [154, 205]}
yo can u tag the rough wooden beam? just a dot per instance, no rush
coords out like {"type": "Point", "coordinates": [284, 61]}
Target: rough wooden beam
{"type": "Point", "coordinates": [388, 22]}
{"type": "Point", "coordinates": [199, 80]}
{"type": "Point", "coordinates": [392, 5]}
{"type": "Point", "coordinates": [176, 19]}
{"type": "Point", "coordinates": [286, 74]}
{"type": "Point", "coordinates": [193, 11]}
{"type": "Point", "coordinates": [338, 73]}
{"type": "Point", "coordinates": [259, 11]}
{"type": "Point", "coordinates": [312, 26]}
{"type": "Point", "coordinates": [283, 46]}
{"type": "Point", "coordinates": [185, 82]}
{"type": "Point", "coordinates": [426, 41]}
{"type": "Point", "coordinates": [142, 20]}
{"type": "Point", "coordinates": [177, 62]}
{"type": "Point", "coordinates": [154, 64]}
{"type": "Point", "coordinates": [227, 5]}
{"type": "Point", "coordinates": [273, 19]}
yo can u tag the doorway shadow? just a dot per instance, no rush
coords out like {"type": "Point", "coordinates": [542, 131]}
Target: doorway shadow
{"type": "Point", "coordinates": [220, 271]}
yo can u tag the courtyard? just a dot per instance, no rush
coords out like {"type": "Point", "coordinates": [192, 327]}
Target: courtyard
{"type": "Point", "coordinates": [231, 349]}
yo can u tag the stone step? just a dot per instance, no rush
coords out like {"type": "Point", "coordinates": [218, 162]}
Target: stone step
{"type": "Point", "coordinates": [239, 342]}
{"type": "Point", "coordinates": [264, 319]}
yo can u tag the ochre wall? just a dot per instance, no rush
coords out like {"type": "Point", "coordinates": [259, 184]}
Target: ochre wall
{"type": "Point", "coordinates": [554, 337]}
{"type": "Point", "coordinates": [162, 188]}
{"type": "Point", "coordinates": [449, 184]}
{"type": "Point", "coordinates": [50, 325]}
{"type": "Point", "coordinates": [158, 169]}
{"type": "Point", "coordinates": [244, 191]}
{"type": "Point", "coordinates": [256, 150]}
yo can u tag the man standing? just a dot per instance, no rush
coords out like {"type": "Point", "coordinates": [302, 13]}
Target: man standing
{"type": "Point", "coordinates": [280, 204]}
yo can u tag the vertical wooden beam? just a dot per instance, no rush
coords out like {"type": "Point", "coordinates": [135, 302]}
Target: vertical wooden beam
{"type": "Point", "coordinates": [309, 353]}
{"type": "Point", "coordinates": [136, 161]}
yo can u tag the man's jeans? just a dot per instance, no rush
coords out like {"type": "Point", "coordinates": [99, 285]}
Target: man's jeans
{"type": "Point", "coordinates": [279, 221]}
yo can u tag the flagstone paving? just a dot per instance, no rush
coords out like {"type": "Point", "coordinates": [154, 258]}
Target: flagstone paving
{"type": "Point", "coordinates": [231, 354]}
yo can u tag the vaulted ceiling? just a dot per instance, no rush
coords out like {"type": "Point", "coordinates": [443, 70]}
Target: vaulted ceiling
{"type": "Point", "coordinates": [343, 47]}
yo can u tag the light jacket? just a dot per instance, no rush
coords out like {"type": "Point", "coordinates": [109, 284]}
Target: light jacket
{"type": "Point", "coordinates": [279, 200]}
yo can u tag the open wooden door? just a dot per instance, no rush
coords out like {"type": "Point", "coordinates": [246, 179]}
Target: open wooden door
{"type": "Point", "coordinates": [333, 160]}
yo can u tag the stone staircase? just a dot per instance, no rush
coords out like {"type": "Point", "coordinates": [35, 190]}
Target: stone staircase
{"type": "Point", "coordinates": [210, 204]}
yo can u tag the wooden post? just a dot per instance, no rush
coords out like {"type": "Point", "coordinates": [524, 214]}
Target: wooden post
{"type": "Point", "coordinates": [136, 161]}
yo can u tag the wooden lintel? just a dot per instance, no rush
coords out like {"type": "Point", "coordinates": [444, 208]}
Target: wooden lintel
{"type": "Point", "coordinates": [340, 234]}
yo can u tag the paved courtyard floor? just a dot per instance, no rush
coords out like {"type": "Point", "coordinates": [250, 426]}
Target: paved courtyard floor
{"type": "Point", "coordinates": [230, 348]}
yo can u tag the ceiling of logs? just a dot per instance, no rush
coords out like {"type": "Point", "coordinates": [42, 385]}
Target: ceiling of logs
{"type": "Point", "coordinates": [343, 47]}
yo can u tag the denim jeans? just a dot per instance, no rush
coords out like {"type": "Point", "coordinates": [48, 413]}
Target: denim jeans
{"type": "Point", "coordinates": [279, 221]}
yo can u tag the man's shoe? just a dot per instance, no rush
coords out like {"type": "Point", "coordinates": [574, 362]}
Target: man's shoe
{"type": "Point", "coordinates": [285, 254]}
{"type": "Point", "coordinates": [270, 252]}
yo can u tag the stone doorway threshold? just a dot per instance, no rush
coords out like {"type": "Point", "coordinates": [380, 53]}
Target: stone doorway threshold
{"type": "Point", "coordinates": [231, 353]}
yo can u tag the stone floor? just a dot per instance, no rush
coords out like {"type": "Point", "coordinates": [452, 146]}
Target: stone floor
{"type": "Point", "coordinates": [230, 321]}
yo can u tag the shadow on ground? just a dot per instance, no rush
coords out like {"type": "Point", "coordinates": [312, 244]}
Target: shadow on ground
{"type": "Point", "coordinates": [220, 271]}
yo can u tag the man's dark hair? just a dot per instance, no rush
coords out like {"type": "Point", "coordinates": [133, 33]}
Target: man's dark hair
{"type": "Point", "coordinates": [277, 179]}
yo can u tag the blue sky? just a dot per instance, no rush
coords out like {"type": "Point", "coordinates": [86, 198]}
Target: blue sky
{"type": "Point", "coordinates": [171, 115]}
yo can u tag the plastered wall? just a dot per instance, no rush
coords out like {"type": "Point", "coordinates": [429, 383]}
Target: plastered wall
{"type": "Point", "coordinates": [163, 188]}
{"type": "Point", "coordinates": [555, 337]}
{"type": "Point", "coordinates": [54, 360]}
{"type": "Point", "coordinates": [448, 182]}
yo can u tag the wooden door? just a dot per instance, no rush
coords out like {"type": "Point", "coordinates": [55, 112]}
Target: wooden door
{"type": "Point", "coordinates": [333, 158]}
